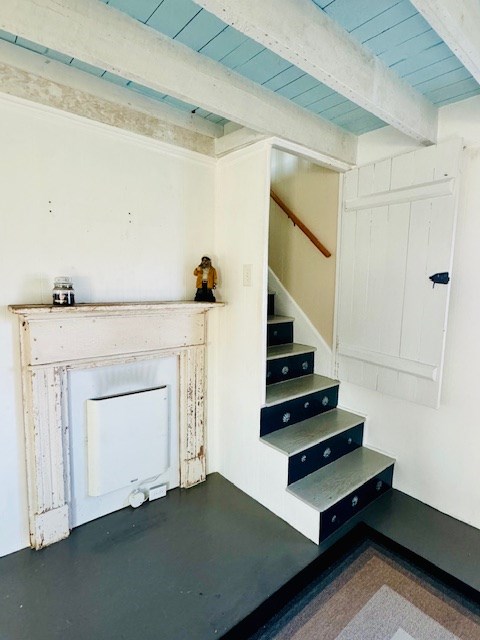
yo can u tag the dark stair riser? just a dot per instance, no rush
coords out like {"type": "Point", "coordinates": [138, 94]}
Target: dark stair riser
{"type": "Point", "coordinates": [271, 304]}
{"type": "Point", "coordinates": [279, 333]}
{"type": "Point", "coordinates": [306, 462]}
{"type": "Point", "coordinates": [311, 459]}
{"type": "Point", "coordinates": [289, 367]}
{"type": "Point", "coordinates": [286, 413]}
{"type": "Point", "coordinates": [331, 519]}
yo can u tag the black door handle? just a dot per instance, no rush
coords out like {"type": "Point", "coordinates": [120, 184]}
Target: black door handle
{"type": "Point", "coordinates": [440, 278]}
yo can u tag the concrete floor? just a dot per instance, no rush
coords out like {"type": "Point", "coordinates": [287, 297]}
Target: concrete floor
{"type": "Point", "coordinates": [197, 563]}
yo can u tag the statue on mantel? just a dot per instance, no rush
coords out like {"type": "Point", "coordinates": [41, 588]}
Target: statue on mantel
{"type": "Point", "coordinates": [206, 280]}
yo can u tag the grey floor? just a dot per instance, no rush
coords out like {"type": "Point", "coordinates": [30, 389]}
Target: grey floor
{"type": "Point", "coordinates": [195, 564]}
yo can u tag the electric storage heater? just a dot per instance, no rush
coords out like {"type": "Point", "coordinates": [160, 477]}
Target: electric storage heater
{"type": "Point", "coordinates": [128, 439]}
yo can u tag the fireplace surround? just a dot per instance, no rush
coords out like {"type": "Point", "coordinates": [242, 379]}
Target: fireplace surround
{"type": "Point", "coordinates": [55, 340]}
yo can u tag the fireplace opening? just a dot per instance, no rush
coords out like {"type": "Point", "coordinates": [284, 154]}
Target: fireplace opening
{"type": "Point", "coordinates": [123, 435]}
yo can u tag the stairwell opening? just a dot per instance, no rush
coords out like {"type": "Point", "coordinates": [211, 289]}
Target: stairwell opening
{"type": "Point", "coordinates": [311, 191]}
{"type": "Point", "coordinates": [320, 446]}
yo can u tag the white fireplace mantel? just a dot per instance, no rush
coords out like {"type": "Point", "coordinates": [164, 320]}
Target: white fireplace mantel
{"type": "Point", "coordinates": [54, 340]}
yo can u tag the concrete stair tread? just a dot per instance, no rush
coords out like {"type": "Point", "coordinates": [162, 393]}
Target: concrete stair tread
{"type": "Point", "coordinates": [302, 435]}
{"type": "Point", "coordinates": [296, 388]}
{"type": "Point", "coordinates": [279, 319]}
{"type": "Point", "coordinates": [327, 486]}
{"type": "Point", "coordinates": [289, 349]}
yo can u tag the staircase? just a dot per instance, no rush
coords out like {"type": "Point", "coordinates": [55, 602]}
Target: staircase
{"type": "Point", "coordinates": [328, 467]}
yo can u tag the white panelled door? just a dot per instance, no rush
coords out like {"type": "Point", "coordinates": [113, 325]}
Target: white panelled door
{"type": "Point", "coordinates": [398, 224]}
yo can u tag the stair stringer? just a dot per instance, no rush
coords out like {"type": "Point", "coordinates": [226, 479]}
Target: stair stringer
{"type": "Point", "coordinates": [300, 515]}
{"type": "Point", "coordinates": [305, 331]}
{"type": "Point", "coordinates": [261, 472]}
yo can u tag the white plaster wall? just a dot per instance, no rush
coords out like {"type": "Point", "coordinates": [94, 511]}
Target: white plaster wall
{"type": "Point", "coordinates": [242, 207]}
{"type": "Point", "coordinates": [126, 217]}
{"type": "Point", "coordinates": [383, 143]}
{"type": "Point", "coordinates": [438, 451]}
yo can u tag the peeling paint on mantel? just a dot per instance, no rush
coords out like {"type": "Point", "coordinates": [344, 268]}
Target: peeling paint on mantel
{"type": "Point", "coordinates": [54, 340]}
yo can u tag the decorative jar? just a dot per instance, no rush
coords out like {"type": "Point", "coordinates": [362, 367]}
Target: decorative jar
{"type": "Point", "coordinates": [63, 293]}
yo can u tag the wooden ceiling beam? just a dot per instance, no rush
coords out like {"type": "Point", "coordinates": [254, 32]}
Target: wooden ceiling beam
{"type": "Point", "coordinates": [100, 35]}
{"type": "Point", "coordinates": [298, 31]}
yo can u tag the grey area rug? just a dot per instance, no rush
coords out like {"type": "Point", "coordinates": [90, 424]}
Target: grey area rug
{"type": "Point", "coordinates": [375, 595]}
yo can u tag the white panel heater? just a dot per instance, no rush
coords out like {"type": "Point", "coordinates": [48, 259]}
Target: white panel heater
{"type": "Point", "coordinates": [128, 439]}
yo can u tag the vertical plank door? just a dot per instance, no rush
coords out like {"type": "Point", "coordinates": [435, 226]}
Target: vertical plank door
{"type": "Point", "coordinates": [398, 225]}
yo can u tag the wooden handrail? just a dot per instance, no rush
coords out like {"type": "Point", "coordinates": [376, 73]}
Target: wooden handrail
{"type": "Point", "coordinates": [300, 224]}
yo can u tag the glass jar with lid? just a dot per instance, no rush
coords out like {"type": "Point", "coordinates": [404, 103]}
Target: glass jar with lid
{"type": "Point", "coordinates": [63, 293]}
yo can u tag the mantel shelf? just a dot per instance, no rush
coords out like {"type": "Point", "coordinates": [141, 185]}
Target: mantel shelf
{"type": "Point", "coordinates": [127, 308]}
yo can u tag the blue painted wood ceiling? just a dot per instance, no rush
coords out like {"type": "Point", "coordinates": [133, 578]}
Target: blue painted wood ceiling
{"type": "Point", "coordinates": [391, 29]}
